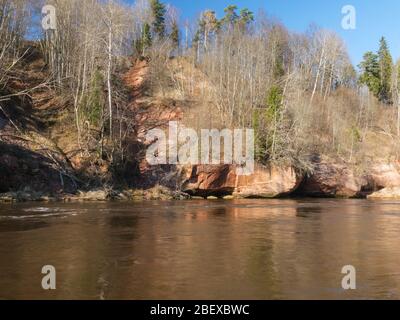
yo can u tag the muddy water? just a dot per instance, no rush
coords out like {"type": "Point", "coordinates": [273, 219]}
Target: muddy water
{"type": "Point", "coordinates": [247, 249]}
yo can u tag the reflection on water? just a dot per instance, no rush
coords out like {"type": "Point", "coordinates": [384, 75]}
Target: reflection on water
{"type": "Point", "coordinates": [247, 249]}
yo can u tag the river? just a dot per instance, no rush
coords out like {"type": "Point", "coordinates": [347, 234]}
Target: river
{"type": "Point", "coordinates": [240, 249]}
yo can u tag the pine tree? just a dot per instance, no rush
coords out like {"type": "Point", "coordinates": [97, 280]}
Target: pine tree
{"type": "Point", "coordinates": [396, 92]}
{"type": "Point", "coordinates": [246, 17]}
{"type": "Point", "coordinates": [370, 73]}
{"type": "Point", "coordinates": [158, 11]}
{"type": "Point", "coordinates": [231, 17]}
{"type": "Point", "coordinates": [145, 40]}
{"type": "Point", "coordinates": [175, 34]}
{"type": "Point", "coordinates": [93, 102]}
{"type": "Point", "coordinates": [385, 71]}
{"type": "Point", "coordinates": [376, 72]}
{"type": "Point", "coordinates": [274, 101]}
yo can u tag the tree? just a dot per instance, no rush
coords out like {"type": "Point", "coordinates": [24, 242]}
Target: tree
{"type": "Point", "coordinates": [376, 72]}
{"type": "Point", "coordinates": [231, 17]}
{"type": "Point", "coordinates": [396, 92]}
{"type": "Point", "coordinates": [208, 25]}
{"type": "Point", "coordinates": [92, 103]}
{"type": "Point", "coordinates": [145, 40]}
{"type": "Point", "coordinates": [14, 15]}
{"type": "Point", "coordinates": [158, 12]}
{"type": "Point", "coordinates": [274, 103]}
{"type": "Point", "coordinates": [385, 71]}
{"type": "Point", "coordinates": [116, 25]}
{"type": "Point", "coordinates": [246, 17]}
{"type": "Point", "coordinates": [370, 73]}
{"type": "Point", "coordinates": [175, 38]}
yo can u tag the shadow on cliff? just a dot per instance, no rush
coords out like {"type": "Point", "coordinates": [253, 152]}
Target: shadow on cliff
{"type": "Point", "coordinates": [22, 169]}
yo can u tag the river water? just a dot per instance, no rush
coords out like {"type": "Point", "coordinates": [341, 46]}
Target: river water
{"type": "Point", "coordinates": [242, 249]}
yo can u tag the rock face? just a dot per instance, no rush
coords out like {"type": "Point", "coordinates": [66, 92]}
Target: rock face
{"type": "Point", "coordinates": [21, 168]}
{"type": "Point", "coordinates": [391, 193]}
{"type": "Point", "coordinates": [221, 180]}
{"type": "Point", "coordinates": [210, 180]}
{"type": "Point", "coordinates": [332, 179]}
{"type": "Point", "coordinates": [268, 182]}
{"type": "Point", "coordinates": [384, 175]}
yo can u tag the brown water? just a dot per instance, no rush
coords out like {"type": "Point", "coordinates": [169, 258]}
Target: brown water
{"type": "Point", "coordinates": [247, 249]}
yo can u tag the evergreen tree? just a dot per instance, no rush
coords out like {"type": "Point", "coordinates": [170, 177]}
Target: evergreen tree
{"type": "Point", "coordinates": [385, 70]}
{"type": "Point", "coordinates": [246, 17]}
{"type": "Point", "coordinates": [376, 72]}
{"type": "Point", "coordinates": [158, 10]}
{"type": "Point", "coordinates": [145, 40]}
{"type": "Point", "coordinates": [265, 122]}
{"type": "Point", "coordinates": [231, 17]}
{"type": "Point", "coordinates": [274, 101]}
{"type": "Point", "coordinates": [370, 73]}
{"type": "Point", "coordinates": [175, 34]}
{"type": "Point", "coordinates": [93, 102]}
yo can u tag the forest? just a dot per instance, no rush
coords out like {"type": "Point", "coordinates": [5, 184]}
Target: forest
{"type": "Point", "coordinates": [299, 91]}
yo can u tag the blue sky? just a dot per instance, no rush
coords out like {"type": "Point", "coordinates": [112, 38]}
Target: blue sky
{"type": "Point", "coordinates": [375, 18]}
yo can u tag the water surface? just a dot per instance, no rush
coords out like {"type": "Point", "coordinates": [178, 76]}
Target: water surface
{"type": "Point", "coordinates": [242, 249]}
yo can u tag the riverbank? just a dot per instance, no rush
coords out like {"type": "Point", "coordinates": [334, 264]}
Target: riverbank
{"type": "Point", "coordinates": [328, 178]}
{"type": "Point", "coordinates": [43, 159]}
{"type": "Point", "coordinates": [98, 195]}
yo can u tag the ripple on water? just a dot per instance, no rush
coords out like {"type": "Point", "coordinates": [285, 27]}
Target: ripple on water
{"type": "Point", "coordinates": [40, 212]}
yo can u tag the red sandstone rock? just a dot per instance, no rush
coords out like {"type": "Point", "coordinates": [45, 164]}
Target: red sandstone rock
{"type": "Point", "coordinates": [221, 180]}
{"type": "Point", "coordinates": [385, 175]}
{"type": "Point", "coordinates": [268, 182]}
{"type": "Point", "coordinates": [390, 193]}
{"type": "Point", "coordinates": [207, 180]}
{"type": "Point", "coordinates": [332, 179]}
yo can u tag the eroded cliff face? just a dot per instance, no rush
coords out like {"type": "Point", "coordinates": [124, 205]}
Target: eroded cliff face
{"type": "Point", "coordinates": [32, 173]}
{"type": "Point", "coordinates": [209, 180]}
{"type": "Point", "coordinates": [265, 182]}
{"type": "Point", "coordinates": [35, 162]}
{"type": "Point", "coordinates": [268, 182]}
{"type": "Point", "coordinates": [384, 174]}
{"type": "Point", "coordinates": [329, 178]}
{"type": "Point", "coordinates": [31, 164]}
{"type": "Point", "coordinates": [336, 178]}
